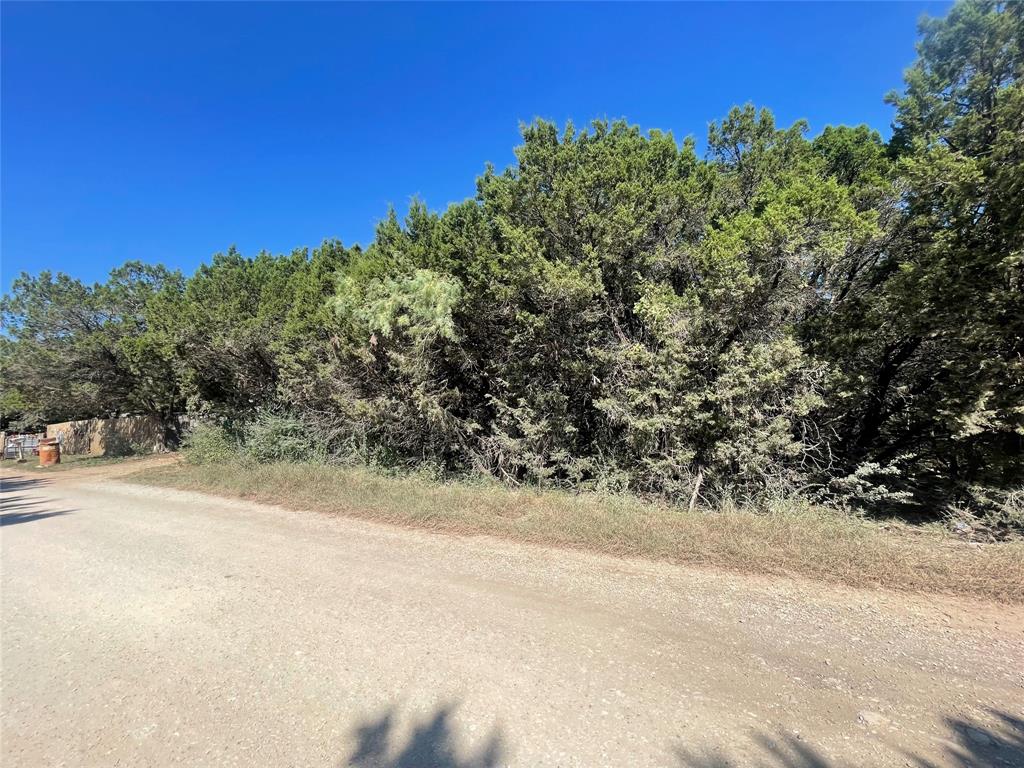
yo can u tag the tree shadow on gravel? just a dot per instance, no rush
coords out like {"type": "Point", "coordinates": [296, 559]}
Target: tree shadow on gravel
{"type": "Point", "coordinates": [15, 518]}
{"type": "Point", "coordinates": [998, 744]}
{"type": "Point", "coordinates": [24, 509]}
{"type": "Point", "coordinates": [16, 483]}
{"type": "Point", "coordinates": [430, 745]}
{"type": "Point", "coordinates": [784, 751]}
{"type": "Point", "coordinates": [970, 745]}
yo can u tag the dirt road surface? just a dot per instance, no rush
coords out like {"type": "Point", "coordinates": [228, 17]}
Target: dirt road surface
{"type": "Point", "coordinates": [146, 627]}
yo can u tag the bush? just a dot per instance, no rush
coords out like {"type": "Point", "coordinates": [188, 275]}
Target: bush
{"type": "Point", "coordinates": [209, 444]}
{"type": "Point", "coordinates": [865, 488]}
{"type": "Point", "coordinates": [272, 437]}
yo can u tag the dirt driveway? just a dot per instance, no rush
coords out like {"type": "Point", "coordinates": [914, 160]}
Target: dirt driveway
{"type": "Point", "coordinates": [153, 627]}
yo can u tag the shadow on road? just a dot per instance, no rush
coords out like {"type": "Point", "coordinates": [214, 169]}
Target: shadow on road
{"type": "Point", "coordinates": [976, 745]}
{"type": "Point", "coordinates": [14, 518]}
{"type": "Point", "coordinates": [783, 751]}
{"type": "Point", "coordinates": [430, 745]}
{"type": "Point", "coordinates": [16, 483]}
{"type": "Point", "coordinates": [972, 745]}
{"type": "Point", "coordinates": [24, 509]}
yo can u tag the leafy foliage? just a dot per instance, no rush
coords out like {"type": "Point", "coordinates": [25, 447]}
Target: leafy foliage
{"type": "Point", "coordinates": [837, 317]}
{"type": "Point", "coordinates": [209, 444]}
{"type": "Point", "coordinates": [75, 351]}
{"type": "Point", "coordinates": [271, 437]}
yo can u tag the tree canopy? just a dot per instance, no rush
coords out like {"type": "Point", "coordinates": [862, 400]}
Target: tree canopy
{"type": "Point", "coordinates": [835, 316]}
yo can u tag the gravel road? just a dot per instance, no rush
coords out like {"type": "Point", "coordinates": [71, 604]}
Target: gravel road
{"type": "Point", "coordinates": [147, 627]}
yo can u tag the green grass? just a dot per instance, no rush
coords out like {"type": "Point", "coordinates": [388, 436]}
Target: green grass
{"type": "Point", "coordinates": [794, 539]}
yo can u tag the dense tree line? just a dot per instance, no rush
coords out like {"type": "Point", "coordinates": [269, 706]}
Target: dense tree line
{"type": "Point", "coordinates": [839, 317]}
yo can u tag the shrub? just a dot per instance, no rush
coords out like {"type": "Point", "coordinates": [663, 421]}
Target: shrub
{"type": "Point", "coordinates": [272, 437]}
{"type": "Point", "coordinates": [209, 444]}
{"type": "Point", "coordinates": [865, 487]}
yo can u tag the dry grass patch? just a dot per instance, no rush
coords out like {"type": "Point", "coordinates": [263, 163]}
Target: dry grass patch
{"type": "Point", "coordinates": [793, 540]}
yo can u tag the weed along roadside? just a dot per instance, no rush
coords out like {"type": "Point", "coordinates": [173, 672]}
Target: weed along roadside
{"type": "Point", "coordinates": [787, 539]}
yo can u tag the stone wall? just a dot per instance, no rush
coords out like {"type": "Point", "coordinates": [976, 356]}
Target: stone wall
{"type": "Point", "coordinates": [114, 437]}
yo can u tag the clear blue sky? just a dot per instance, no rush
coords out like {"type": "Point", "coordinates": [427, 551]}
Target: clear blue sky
{"type": "Point", "coordinates": [168, 131]}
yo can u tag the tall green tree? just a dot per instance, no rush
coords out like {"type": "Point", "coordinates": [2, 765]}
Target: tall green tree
{"type": "Point", "coordinates": [929, 333]}
{"type": "Point", "coordinates": [221, 328]}
{"type": "Point", "coordinates": [77, 351]}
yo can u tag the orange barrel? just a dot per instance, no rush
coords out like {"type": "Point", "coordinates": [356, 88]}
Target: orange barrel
{"type": "Point", "coordinates": [49, 453]}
